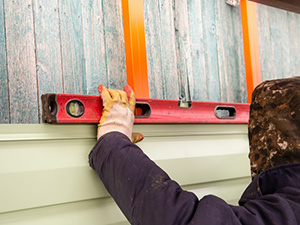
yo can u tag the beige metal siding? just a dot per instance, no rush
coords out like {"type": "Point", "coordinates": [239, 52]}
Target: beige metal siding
{"type": "Point", "coordinates": [45, 176]}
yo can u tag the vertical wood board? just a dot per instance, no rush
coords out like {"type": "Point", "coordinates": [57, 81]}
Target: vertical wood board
{"type": "Point", "coordinates": [211, 51]}
{"type": "Point", "coordinates": [183, 50]}
{"type": "Point", "coordinates": [21, 61]}
{"type": "Point", "coordinates": [73, 60]}
{"type": "Point", "coordinates": [4, 94]}
{"type": "Point", "coordinates": [161, 50]}
{"type": "Point", "coordinates": [94, 45]}
{"type": "Point", "coordinates": [114, 44]}
{"type": "Point", "coordinates": [153, 48]}
{"type": "Point", "coordinates": [200, 89]}
{"type": "Point", "coordinates": [279, 42]}
{"type": "Point", "coordinates": [230, 53]}
{"type": "Point", "coordinates": [48, 51]}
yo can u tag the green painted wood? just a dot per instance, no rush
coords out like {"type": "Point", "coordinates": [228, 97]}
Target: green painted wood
{"type": "Point", "coordinates": [211, 54]}
{"type": "Point", "coordinates": [231, 64]}
{"type": "Point", "coordinates": [48, 51]}
{"type": "Point", "coordinates": [265, 43]}
{"type": "Point", "coordinates": [153, 48]}
{"type": "Point", "coordinates": [50, 162]}
{"type": "Point", "coordinates": [4, 94]}
{"type": "Point", "coordinates": [278, 40]}
{"type": "Point", "coordinates": [183, 42]}
{"type": "Point", "coordinates": [94, 45]}
{"type": "Point", "coordinates": [21, 61]}
{"type": "Point", "coordinates": [161, 50]}
{"type": "Point", "coordinates": [114, 44]}
{"type": "Point", "coordinates": [200, 89]}
{"type": "Point", "coordinates": [73, 61]}
{"type": "Point", "coordinates": [294, 42]}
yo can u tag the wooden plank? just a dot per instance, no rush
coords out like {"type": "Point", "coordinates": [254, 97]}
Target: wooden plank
{"type": "Point", "coordinates": [230, 53]}
{"type": "Point", "coordinates": [265, 43]}
{"type": "Point", "coordinates": [211, 51]}
{"type": "Point", "coordinates": [73, 62]}
{"type": "Point", "coordinates": [294, 42]}
{"type": "Point", "coordinates": [153, 46]}
{"type": "Point", "coordinates": [21, 61]}
{"type": "Point", "coordinates": [94, 45]}
{"type": "Point", "coordinates": [289, 5]}
{"type": "Point", "coordinates": [114, 44]}
{"type": "Point", "coordinates": [183, 50]}
{"type": "Point", "coordinates": [161, 49]}
{"type": "Point", "coordinates": [48, 51]}
{"type": "Point", "coordinates": [4, 94]}
{"type": "Point", "coordinates": [279, 41]}
{"type": "Point", "coordinates": [200, 89]}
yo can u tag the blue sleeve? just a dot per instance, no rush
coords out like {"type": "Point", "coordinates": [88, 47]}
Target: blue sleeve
{"type": "Point", "coordinates": [144, 192]}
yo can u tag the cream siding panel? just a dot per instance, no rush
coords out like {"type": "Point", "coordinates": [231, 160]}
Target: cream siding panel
{"type": "Point", "coordinates": [46, 179]}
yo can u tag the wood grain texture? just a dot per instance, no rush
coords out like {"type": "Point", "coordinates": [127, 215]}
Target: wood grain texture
{"type": "Point", "coordinates": [230, 53]}
{"type": "Point", "coordinates": [208, 50]}
{"type": "Point", "coordinates": [73, 61]}
{"type": "Point", "coordinates": [4, 94]}
{"type": "Point", "coordinates": [21, 61]}
{"type": "Point", "coordinates": [48, 51]}
{"type": "Point", "coordinates": [200, 89]}
{"type": "Point", "coordinates": [94, 45]}
{"type": "Point", "coordinates": [279, 42]}
{"type": "Point", "coordinates": [114, 44]}
{"type": "Point", "coordinates": [183, 50]}
{"type": "Point", "coordinates": [294, 42]}
{"type": "Point", "coordinates": [211, 51]}
{"type": "Point", "coordinates": [161, 50]}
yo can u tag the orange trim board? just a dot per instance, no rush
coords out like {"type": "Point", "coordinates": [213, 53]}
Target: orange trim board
{"type": "Point", "coordinates": [251, 46]}
{"type": "Point", "coordinates": [135, 47]}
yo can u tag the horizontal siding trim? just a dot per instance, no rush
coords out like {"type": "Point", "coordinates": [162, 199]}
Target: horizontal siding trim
{"type": "Point", "coordinates": [19, 132]}
{"type": "Point", "coordinates": [46, 165]}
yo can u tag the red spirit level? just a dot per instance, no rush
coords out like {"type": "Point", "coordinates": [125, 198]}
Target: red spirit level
{"type": "Point", "coordinates": [68, 108]}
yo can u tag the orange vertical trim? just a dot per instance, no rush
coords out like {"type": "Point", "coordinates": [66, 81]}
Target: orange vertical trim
{"type": "Point", "coordinates": [135, 47]}
{"type": "Point", "coordinates": [251, 46]}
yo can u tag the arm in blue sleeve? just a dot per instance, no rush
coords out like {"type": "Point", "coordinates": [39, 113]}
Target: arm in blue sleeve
{"type": "Point", "coordinates": [143, 191]}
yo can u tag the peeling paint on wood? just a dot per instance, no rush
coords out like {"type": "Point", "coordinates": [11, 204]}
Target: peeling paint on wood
{"type": "Point", "coordinates": [230, 53]}
{"type": "Point", "coordinates": [183, 42]}
{"type": "Point", "coordinates": [114, 44]}
{"type": "Point", "coordinates": [161, 50]}
{"type": "Point", "coordinates": [48, 51]}
{"type": "Point", "coordinates": [200, 89]}
{"type": "Point", "coordinates": [4, 96]}
{"type": "Point", "coordinates": [73, 61]}
{"type": "Point", "coordinates": [21, 61]}
{"type": "Point", "coordinates": [94, 45]}
{"type": "Point", "coordinates": [278, 42]}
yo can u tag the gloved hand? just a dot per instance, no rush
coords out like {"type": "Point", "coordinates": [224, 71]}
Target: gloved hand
{"type": "Point", "coordinates": [118, 112]}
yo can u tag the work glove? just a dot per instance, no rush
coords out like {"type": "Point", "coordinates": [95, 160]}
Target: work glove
{"type": "Point", "coordinates": [118, 112]}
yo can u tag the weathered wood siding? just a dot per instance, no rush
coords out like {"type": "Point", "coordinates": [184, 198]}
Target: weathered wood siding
{"type": "Point", "coordinates": [68, 46]}
{"type": "Point", "coordinates": [45, 177]}
{"type": "Point", "coordinates": [72, 46]}
{"type": "Point", "coordinates": [279, 42]}
{"type": "Point", "coordinates": [195, 43]}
